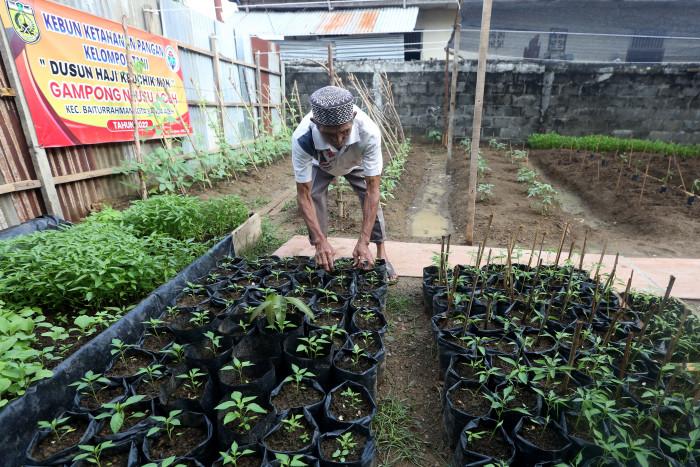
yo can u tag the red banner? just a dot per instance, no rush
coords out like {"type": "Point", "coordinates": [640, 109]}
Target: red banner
{"type": "Point", "coordinates": [73, 70]}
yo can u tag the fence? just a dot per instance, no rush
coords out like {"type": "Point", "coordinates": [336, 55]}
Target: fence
{"type": "Point", "coordinates": [223, 73]}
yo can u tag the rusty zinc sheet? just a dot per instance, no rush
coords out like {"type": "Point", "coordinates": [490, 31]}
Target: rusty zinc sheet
{"type": "Point", "coordinates": [15, 166]}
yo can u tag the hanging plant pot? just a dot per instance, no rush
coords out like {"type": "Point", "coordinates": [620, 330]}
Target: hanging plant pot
{"type": "Point", "coordinates": [464, 402]}
{"type": "Point", "coordinates": [353, 447]}
{"type": "Point", "coordinates": [346, 405]}
{"type": "Point", "coordinates": [297, 433]}
{"type": "Point", "coordinates": [494, 447]}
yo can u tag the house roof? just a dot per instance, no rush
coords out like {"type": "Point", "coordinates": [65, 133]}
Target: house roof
{"type": "Point", "coordinates": [323, 23]}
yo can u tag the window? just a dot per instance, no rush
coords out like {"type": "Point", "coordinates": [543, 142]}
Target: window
{"type": "Point", "coordinates": [557, 41]}
{"type": "Point", "coordinates": [496, 39]}
{"type": "Point", "coordinates": [412, 45]}
{"type": "Point", "coordinates": [646, 50]}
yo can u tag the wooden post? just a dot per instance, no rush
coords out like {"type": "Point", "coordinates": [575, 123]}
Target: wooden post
{"type": "Point", "coordinates": [217, 82]}
{"type": "Point", "coordinates": [149, 18]}
{"type": "Point", "coordinates": [447, 95]}
{"type": "Point", "coordinates": [40, 161]}
{"type": "Point", "coordinates": [331, 71]}
{"type": "Point", "coordinates": [453, 97]}
{"type": "Point", "coordinates": [478, 106]}
{"type": "Point", "coordinates": [258, 85]}
{"type": "Point", "coordinates": [132, 90]}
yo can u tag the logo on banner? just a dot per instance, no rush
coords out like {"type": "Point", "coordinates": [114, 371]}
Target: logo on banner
{"type": "Point", "coordinates": [172, 59]}
{"type": "Point", "coordinates": [23, 21]}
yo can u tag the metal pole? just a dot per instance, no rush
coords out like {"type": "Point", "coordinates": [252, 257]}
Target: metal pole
{"type": "Point", "coordinates": [476, 130]}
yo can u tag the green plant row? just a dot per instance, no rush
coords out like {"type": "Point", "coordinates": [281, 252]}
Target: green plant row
{"type": "Point", "coordinates": [393, 170]}
{"type": "Point", "coordinates": [603, 143]}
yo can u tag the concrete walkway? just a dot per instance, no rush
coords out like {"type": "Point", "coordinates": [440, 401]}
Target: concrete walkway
{"type": "Point", "coordinates": [409, 259]}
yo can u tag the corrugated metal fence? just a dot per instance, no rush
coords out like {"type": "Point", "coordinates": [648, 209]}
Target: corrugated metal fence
{"type": "Point", "coordinates": [83, 174]}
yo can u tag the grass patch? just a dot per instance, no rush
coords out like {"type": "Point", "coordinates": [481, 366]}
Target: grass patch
{"type": "Point", "coordinates": [401, 304]}
{"type": "Point", "coordinates": [257, 203]}
{"type": "Point", "coordinates": [395, 442]}
{"type": "Point", "coordinates": [271, 239]}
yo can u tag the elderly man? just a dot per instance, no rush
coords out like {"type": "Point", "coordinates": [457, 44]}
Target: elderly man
{"type": "Point", "coordinates": [339, 139]}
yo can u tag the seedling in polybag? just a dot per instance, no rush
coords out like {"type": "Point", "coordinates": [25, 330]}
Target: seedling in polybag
{"type": "Point", "coordinates": [239, 366]}
{"type": "Point", "coordinates": [94, 381]}
{"type": "Point", "coordinates": [58, 425]}
{"type": "Point", "coordinates": [120, 348]}
{"type": "Point", "coordinates": [199, 318]}
{"type": "Point", "coordinates": [177, 351]}
{"type": "Point", "coordinates": [214, 342]}
{"type": "Point", "coordinates": [192, 379]}
{"type": "Point", "coordinates": [311, 346]}
{"type": "Point", "coordinates": [298, 375]}
{"type": "Point", "coordinates": [118, 417]}
{"type": "Point", "coordinates": [152, 373]}
{"type": "Point", "coordinates": [290, 461]}
{"type": "Point", "coordinates": [351, 397]}
{"type": "Point", "coordinates": [234, 454]}
{"type": "Point", "coordinates": [276, 307]}
{"type": "Point", "coordinates": [241, 410]}
{"type": "Point", "coordinates": [355, 353]}
{"type": "Point", "coordinates": [154, 324]}
{"type": "Point", "coordinates": [169, 424]}
{"type": "Point", "coordinates": [346, 443]}
{"type": "Point", "coordinates": [292, 424]}
{"type": "Point", "coordinates": [92, 453]}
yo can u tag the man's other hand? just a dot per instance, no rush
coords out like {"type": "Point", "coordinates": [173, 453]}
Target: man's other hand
{"type": "Point", "coordinates": [362, 258]}
{"type": "Point", "coordinates": [325, 254]}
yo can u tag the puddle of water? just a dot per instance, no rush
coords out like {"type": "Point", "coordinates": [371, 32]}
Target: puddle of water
{"type": "Point", "coordinates": [429, 221]}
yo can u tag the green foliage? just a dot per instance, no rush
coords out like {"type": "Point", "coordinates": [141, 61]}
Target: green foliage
{"type": "Point", "coordinates": [276, 308]}
{"type": "Point", "coordinates": [241, 410]}
{"type": "Point", "coordinates": [392, 172]}
{"type": "Point", "coordinates": [484, 190]}
{"type": "Point", "coordinates": [610, 144]}
{"type": "Point", "coordinates": [88, 265]}
{"type": "Point", "coordinates": [183, 217]}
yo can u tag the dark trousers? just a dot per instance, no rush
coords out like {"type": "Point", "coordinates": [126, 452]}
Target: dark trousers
{"type": "Point", "coordinates": [320, 180]}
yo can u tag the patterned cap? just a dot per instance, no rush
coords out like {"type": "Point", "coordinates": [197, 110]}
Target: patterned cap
{"type": "Point", "coordinates": [331, 106]}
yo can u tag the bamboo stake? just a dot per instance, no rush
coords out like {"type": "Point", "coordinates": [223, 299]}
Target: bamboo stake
{"type": "Point", "coordinates": [571, 251]}
{"type": "Point", "coordinates": [602, 255]}
{"type": "Point", "coordinates": [594, 307]}
{"type": "Point", "coordinates": [672, 347]}
{"type": "Point", "coordinates": [450, 295]}
{"type": "Point", "coordinates": [137, 138]}
{"type": "Point", "coordinates": [544, 319]}
{"type": "Point", "coordinates": [539, 254]}
{"type": "Point", "coordinates": [624, 364]}
{"type": "Point", "coordinates": [442, 261]}
{"type": "Point", "coordinates": [189, 136]}
{"type": "Point", "coordinates": [566, 295]}
{"type": "Point", "coordinates": [678, 166]}
{"type": "Point", "coordinates": [583, 250]}
{"type": "Point", "coordinates": [561, 244]}
{"type": "Point", "coordinates": [646, 174]}
{"type": "Point", "coordinates": [666, 391]}
{"type": "Point", "coordinates": [469, 307]}
{"type": "Point", "coordinates": [693, 403]}
{"type": "Point", "coordinates": [486, 237]}
{"type": "Point", "coordinates": [640, 337]}
{"type": "Point", "coordinates": [532, 252]}
{"type": "Point", "coordinates": [528, 305]}
{"type": "Point", "coordinates": [572, 353]}
{"type": "Point", "coordinates": [488, 259]}
{"type": "Point", "coordinates": [611, 328]}
{"type": "Point", "coordinates": [611, 277]}
{"type": "Point", "coordinates": [447, 95]}
{"type": "Point", "coordinates": [488, 312]}
{"type": "Point", "coordinates": [447, 254]}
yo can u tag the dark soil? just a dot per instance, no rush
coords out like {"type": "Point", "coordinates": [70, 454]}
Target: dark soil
{"type": "Point", "coordinates": [155, 343]}
{"type": "Point", "coordinates": [186, 440]}
{"type": "Point", "coordinates": [190, 300]}
{"type": "Point", "coordinates": [129, 421]}
{"type": "Point", "coordinates": [109, 393]}
{"type": "Point", "coordinates": [496, 447]}
{"type": "Point", "coordinates": [545, 438]}
{"type": "Point", "coordinates": [330, 445]}
{"type": "Point", "coordinates": [130, 365]}
{"type": "Point", "coordinates": [232, 378]}
{"type": "Point", "coordinates": [368, 344]}
{"type": "Point", "coordinates": [151, 390]}
{"type": "Point", "coordinates": [289, 441]}
{"type": "Point", "coordinates": [51, 445]}
{"type": "Point", "coordinates": [347, 364]}
{"type": "Point", "coordinates": [366, 301]}
{"type": "Point", "coordinates": [470, 403]}
{"type": "Point", "coordinates": [113, 460]}
{"type": "Point", "coordinates": [288, 396]}
{"type": "Point", "coordinates": [343, 408]}
{"type": "Point", "coordinates": [185, 391]}
{"type": "Point", "coordinates": [367, 321]}
{"type": "Point", "coordinates": [326, 319]}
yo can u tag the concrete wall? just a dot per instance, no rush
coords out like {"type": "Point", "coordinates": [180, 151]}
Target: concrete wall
{"type": "Point", "coordinates": [522, 98]}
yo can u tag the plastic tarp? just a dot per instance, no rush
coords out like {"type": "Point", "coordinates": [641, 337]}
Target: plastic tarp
{"type": "Point", "coordinates": [45, 222]}
{"type": "Point", "coordinates": [48, 398]}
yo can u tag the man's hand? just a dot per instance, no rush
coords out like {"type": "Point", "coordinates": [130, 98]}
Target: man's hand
{"type": "Point", "coordinates": [325, 255]}
{"type": "Point", "coordinates": [362, 258]}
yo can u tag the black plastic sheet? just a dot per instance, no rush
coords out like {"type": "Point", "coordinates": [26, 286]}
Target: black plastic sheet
{"type": "Point", "coordinates": [48, 398]}
{"type": "Point", "coordinates": [45, 222]}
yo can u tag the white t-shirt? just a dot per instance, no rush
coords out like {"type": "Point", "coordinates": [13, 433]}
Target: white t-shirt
{"type": "Point", "coordinates": [362, 149]}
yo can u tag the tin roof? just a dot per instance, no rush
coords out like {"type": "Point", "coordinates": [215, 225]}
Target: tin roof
{"type": "Point", "coordinates": [321, 23]}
